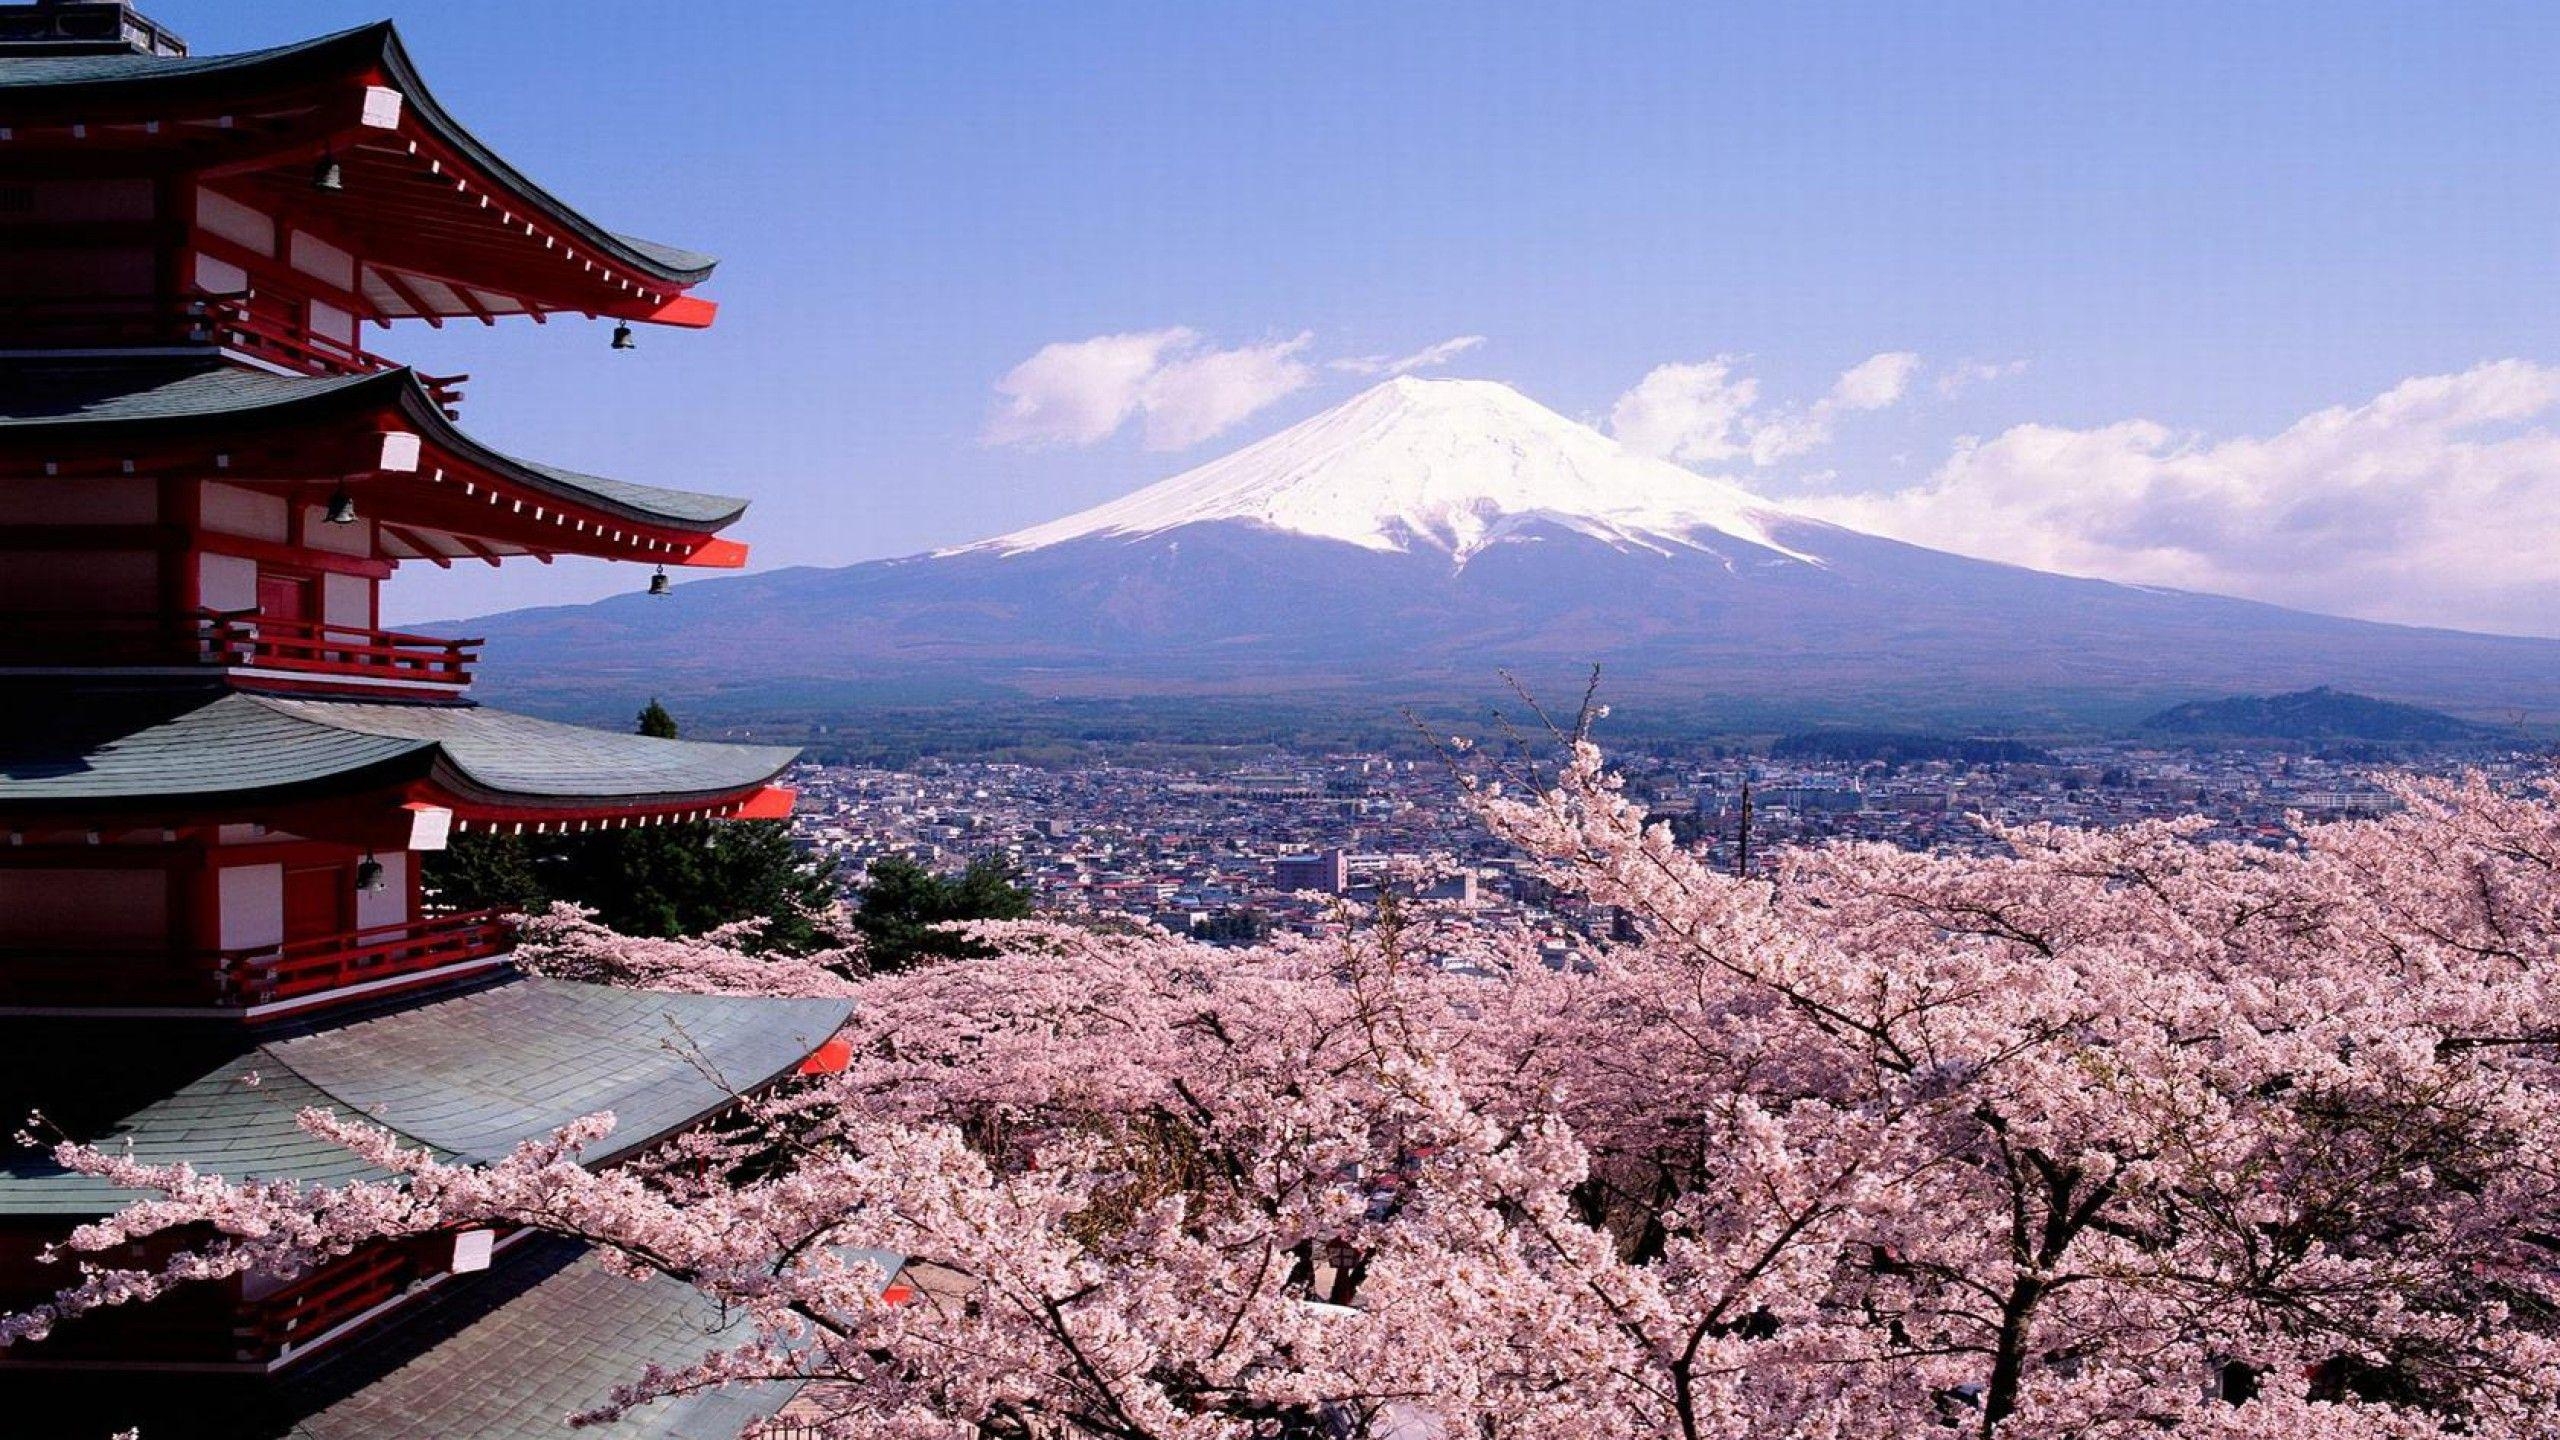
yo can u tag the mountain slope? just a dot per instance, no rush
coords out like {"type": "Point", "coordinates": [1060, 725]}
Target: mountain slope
{"type": "Point", "coordinates": [1430, 465]}
{"type": "Point", "coordinates": [1412, 542]}
{"type": "Point", "coordinates": [2319, 714]}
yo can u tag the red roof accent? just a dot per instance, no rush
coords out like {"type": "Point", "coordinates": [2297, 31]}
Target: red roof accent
{"type": "Point", "coordinates": [832, 1058]}
{"type": "Point", "coordinates": [690, 312]}
{"type": "Point", "coordinates": [773, 802]}
{"type": "Point", "coordinates": [717, 555]}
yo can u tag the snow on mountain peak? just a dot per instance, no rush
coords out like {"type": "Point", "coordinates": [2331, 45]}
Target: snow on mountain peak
{"type": "Point", "coordinates": [1441, 465]}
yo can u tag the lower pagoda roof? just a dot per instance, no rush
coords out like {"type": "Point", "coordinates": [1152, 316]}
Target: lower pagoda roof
{"type": "Point", "coordinates": [469, 1077]}
{"type": "Point", "coordinates": [511, 1354]}
{"type": "Point", "coordinates": [131, 402]}
{"type": "Point", "coordinates": [79, 749]}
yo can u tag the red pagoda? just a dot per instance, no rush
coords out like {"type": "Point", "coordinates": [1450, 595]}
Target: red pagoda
{"type": "Point", "coordinates": [218, 772]}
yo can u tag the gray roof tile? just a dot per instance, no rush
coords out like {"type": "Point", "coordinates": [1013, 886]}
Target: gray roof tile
{"type": "Point", "coordinates": [82, 396]}
{"type": "Point", "coordinates": [470, 1076]}
{"type": "Point", "coordinates": [73, 746]}
{"type": "Point", "coordinates": [520, 755]}
{"type": "Point", "coordinates": [510, 1355]}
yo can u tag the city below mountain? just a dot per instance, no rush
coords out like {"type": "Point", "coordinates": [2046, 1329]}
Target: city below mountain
{"type": "Point", "coordinates": [1411, 545]}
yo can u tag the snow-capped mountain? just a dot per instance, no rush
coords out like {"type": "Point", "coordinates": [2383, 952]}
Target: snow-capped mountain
{"type": "Point", "coordinates": [1414, 541]}
{"type": "Point", "coordinates": [1439, 465]}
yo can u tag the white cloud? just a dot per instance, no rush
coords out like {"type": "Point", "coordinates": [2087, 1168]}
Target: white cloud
{"type": "Point", "coordinates": [2434, 502]}
{"type": "Point", "coordinates": [1967, 374]}
{"type": "Point", "coordinates": [1081, 392]}
{"type": "Point", "coordinates": [1706, 411]}
{"type": "Point", "coordinates": [1693, 413]}
{"type": "Point", "coordinates": [1873, 383]}
{"type": "Point", "coordinates": [1425, 358]}
{"type": "Point", "coordinates": [1203, 393]}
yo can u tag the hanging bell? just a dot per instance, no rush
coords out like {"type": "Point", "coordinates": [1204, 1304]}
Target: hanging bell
{"type": "Point", "coordinates": [659, 584]}
{"type": "Point", "coordinates": [369, 875]}
{"type": "Point", "coordinates": [328, 177]}
{"type": "Point", "coordinates": [622, 336]}
{"type": "Point", "coordinates": [342, 507]}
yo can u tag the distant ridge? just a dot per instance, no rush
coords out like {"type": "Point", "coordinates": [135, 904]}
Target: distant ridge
{"type": "Point", "coordinates": [1407, 545]}
{"type": "Point", "coordinates": [2319, 713]}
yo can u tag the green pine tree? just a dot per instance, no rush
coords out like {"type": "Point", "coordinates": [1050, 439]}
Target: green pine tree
{"type": "Point", "coordinates": [902, 901]}
{"type": "Point", "coordinates": [659, 880]}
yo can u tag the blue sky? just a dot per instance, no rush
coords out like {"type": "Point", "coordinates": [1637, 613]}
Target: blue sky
{"type": "Point", "coordinates": [2210, 220]}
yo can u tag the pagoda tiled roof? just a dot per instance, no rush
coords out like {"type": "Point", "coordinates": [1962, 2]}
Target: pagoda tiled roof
{"type": "Point", "coordinates": [80, 747]}
{"type": "Point", "coordinates": [468, 1077]}
{"type": "Point", "coordinates": [71, 398]}
{"type": "Point", "coordinates": [511, 1354]}
{"type": "Point", "coordinates": [101, 80]}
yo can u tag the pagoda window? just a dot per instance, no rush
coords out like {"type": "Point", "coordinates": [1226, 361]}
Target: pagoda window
{"type": "Point", "coordinates": [347, 600]}
{"type": "Point", "coordinates": [231, 510]}
{"type": "Point", "coordinates": [100, 500]}
{"type": "Point", "coordinates": [85, 202]}
{"type": "Point", "coordinates": [323, 261]}
{"type": "Point", "coordinates": [46, 278]}
{"type": "Point", "coordinates": [252, 899]}
{"type": "Point", "coordinates": [120, 908]}
{"type": "Point", "coordinates": [251, 230]}
{"type": "Point", "coordinates": [227, 583]}
{"type": "Point", "coordinates": [117, 582]}
{"type": "Point", "coordinates": [220, 277]}
{"type": "Point", "coordinates": [329, 322]}
{"type": "Point", "coordinates": [86, 240]}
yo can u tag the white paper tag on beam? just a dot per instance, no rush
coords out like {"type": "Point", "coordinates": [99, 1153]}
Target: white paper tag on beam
{"type": "Point", "coordinates": [429, 827]}
{"type": "Point", "coordinates": [381, 107]}
{"type": "Point", "coordinates": [399, 451]}
{"type": "Point", "coordinates": [472, 1249]}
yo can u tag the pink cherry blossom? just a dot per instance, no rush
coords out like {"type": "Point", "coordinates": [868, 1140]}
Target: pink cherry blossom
{"type": "Point", "coordinates": [2110, 1135]}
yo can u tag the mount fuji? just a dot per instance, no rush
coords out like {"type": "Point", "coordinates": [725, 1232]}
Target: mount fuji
{"type": "Point", "coordinates": [1411, 542]}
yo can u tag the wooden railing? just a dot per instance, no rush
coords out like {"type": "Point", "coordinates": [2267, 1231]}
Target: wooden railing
{"type": "Point", "coordinates": [360, 652]}
{"type": "Point", "coordinates": [237, 638]}
{"type": "Point", "coordinates": [329, 1297]}
{"type": "Point", "coordinates": [263, 975]}
{"type": "Point", "coordinates": [265, 323]}
{"type": "Point", "coordinates": [249, 975]}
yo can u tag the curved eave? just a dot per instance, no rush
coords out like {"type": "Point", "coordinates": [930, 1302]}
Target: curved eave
{"type": "Point", "coordinates": [82, 751]}
{"type": "Point", "coordinates": [677, 268]}
{"type": "Point", "coordinates": [493, 764]}
{"type": "Point", "coordinates": [370, 54]}
{"type": "Point", "coordinates": [686, 511]}
{"type": "Point", "coordinates": [72, 749]}
{"type": "Point", "coordinates": [682, 521]}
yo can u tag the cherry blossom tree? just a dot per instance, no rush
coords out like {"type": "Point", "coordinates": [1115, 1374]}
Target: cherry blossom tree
{"type": "Point", "coordinates": [2112, 1134]}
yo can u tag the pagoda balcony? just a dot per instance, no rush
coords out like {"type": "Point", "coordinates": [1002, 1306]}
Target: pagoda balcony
{"type": "Point", "coordinates": [302, 653]}
{"type": "Point", "coordinates": [264, 325]}
{"type": "Point", "coordinates": [257, 977]}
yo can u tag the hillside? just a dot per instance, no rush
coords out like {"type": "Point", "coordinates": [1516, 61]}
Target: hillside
{"type": "Point", "coordinates": [2319, 713]}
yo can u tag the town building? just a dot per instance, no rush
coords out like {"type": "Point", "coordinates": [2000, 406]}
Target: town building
{"type": "Point", "coordinates": [219, 774]}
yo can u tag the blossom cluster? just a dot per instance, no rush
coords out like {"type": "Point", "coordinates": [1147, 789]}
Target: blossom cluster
{"type": "Point", "coordinates": [2112, 1134]}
